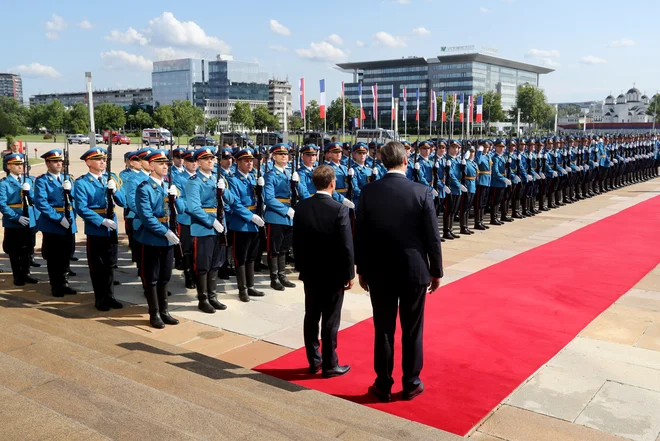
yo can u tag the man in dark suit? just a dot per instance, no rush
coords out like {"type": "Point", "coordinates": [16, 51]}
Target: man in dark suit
{"type": "Point", "coordinates": [398, 257]}
{"type": "Point", "coordinates": [321, 237]}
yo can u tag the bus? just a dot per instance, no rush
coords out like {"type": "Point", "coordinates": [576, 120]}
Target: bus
{"type": "Point", "coordinates": [379, 135]}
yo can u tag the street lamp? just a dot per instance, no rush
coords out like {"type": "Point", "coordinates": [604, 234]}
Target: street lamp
{"type": "Point", "coordinates": [90, 102]}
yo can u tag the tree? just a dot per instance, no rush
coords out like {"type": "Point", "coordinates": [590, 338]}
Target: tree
{"type": "Point", "coordinates": [142, 119]}
{"type": "Point", "coordinates": [314, 121]}
{"type": "Point", "coordinates": [212, 125]}
{"type": "Point", "coordinates": [12, 117]}
{"type": "Point", "coordinates": [76, 119]}
{"type": "Point", "coordinates": [654, 107]}
{"type": "Point", "coordinates": [569, 110]}
{"type": "Point", "coordinates": [274, 123]}
{"type": "Point", "coordinates": [335, 114]}
{"type": "Point", "coordinates": [186, 117]}
{"type": "Point", "coordinates": [54, 113]}
{"type": "Point", "coordinates": [163, 116]}
{"type": "Point", "coordinates": [241, 116]}
{"type": "Point", "coordinates": [295, 121]}
{"type": "Point", "coordinates": [109, 116]}
{"type": "Point", "coordinates": [261, 117]}
{"type": "Point", "coordinates": [36, 117]}
{"type": "Point", "coordinates": [532, 104]}
{"type": "Point", "coordinates": [492, 107]}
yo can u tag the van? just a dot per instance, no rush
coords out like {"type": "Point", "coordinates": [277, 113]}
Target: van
{"type": "Point", "coordinates": [269, 138]}
{"type": "Point", "coordinates": [379, 135]}
{"type": "Point", "coordinates": [156, 137]}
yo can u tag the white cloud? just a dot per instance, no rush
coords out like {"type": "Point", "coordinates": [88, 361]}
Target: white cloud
{"type": "Point", "coordinates": [52, 35]}
{"type": "Point", "coordinates": [335, 39]}
{"type": "Point", "coordinates": [279, 28]}
{"type": "Point", "coordinates": [322, 51]}
{"type": "Point", "coordinates": [624, 42]}
{"type": "Point", "coordinates": [590, 59]}
{"type": "Point", "coordinates": [401, 2]}
{"type": "Point", "coordinates": [278, 48]}
{"type": "Point", "coordinates": [549, 62]}
{"type": "Point", "coordinates": [421, 31]}
{"type": "Point", "coordinates": [120, 60]}
{"type": "Point", "coordinates": [484, 10]}
{"type": "Point", "coordinates": [131, 36]}
{"type": "Point", "coordinates": [85, 24]}
{"type": "Point", "coordinates": [166, 30]}
{"type": "Point", "coordinates": [359, 43]}
{"type": "Point", "coordinates": [54, 26]}
{"type": "Point", "coordinates": [389, 40]}
{"type": "Point", "coordinates": [541, 53]}
{"type": "Point", "coordinates": [36, 70]}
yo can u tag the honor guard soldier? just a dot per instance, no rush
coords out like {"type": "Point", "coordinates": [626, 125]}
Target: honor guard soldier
{"type": "Point", "coordinates": [18, 218]}
{"type": "Point", "coordinates": [207, 230]}
{"type": "Point", "coordinates": [183, 220]}
{"type": "Point", "coordinates": [346, 154]}
{"type": "Point", "coordinates": [177, 161]}
{"type": "Point", "coordinates": [227, 169]}
{"type": "Point", "coordinates": [333, 152]}
{"type": "Point", "coordinates": [378, 170]}
{"type": "Point", "coordinates": [453, 188]}
{"type": "Point", "coordinates": [467, 198]}
{"type": "Point", "coordinates": [484, 163]}
{"type": "Point", "coordinates": [155, 238]}
{"type": "Point", "coordinates": [91, 204]}
{"type": "Point", "coordinates": [526, 186]}
{"type": "Point", "coordinates": [244, 223]}
{"type": "Point", "coordinates": [56, 225]}
{"type": "Point", "coordinates": [279, 213]}
{"type": "Point", "coordinates": [499, 182]}
{"type": "Point", "coordinates": [133, 166]}
{"type": "Point", "coordinates": [309, 155]}
{"type": "Point", "coordinates": [361, 170]}
{"type": "Point", "coordinates": [129, 187]}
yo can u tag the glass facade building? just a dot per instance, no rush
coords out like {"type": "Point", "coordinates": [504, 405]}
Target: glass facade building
{"type": "Point", "coordinates": [11, 85]}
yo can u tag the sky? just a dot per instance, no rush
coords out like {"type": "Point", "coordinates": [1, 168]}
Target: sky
{"type": "Point", "coordinates": [596, 48]}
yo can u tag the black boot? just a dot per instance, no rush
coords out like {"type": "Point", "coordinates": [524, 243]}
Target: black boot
{"type": "Point", "coordinates": [493, 216]}
{"type": "Point", "coordinates": [211, 282]}
{"type": "Point", "coordinates": [445, 227]}
{"type": "Point", "coordinates": [242, 284]}
{"type": "Point", "coordinates": [249, 281]}
{"type": "Point", "coordinates": [152, 300]}
{"type": "Point", "coordinates": [481, 218]}
{"type": "Point", "coordinates": [165, 316]}
{"type": "Point", "coordinates": [274, 280]}
{"type": "Point", "coordinates": [281, 272]}
{"type": "Point", "coordinates": [202, 297]}
{"type": "Point", "coordinates": [33, 263]}
{"type": "Point", "coordinates": [188, 272]}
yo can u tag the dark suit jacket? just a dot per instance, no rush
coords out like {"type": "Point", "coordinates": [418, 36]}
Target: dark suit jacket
{"type": "Point", "coordinates": [396, 232]}
{"type": "Point", "coordinates": [322, 241]}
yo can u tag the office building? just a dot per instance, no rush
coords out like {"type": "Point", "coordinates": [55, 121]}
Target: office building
{"type": "Point", "coordinates": [123, 97]}
{"type": "Point", "coordinates": [469, 72]}
{"type": "Point", "coordinates": [11, 86]}
{"type": "Point", "coordinates": [279, 100]}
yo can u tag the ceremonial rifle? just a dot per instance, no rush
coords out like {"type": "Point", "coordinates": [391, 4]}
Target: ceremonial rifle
{"type": "Point", "coordinates": [415, 171]}
{"type": "Point", "coordinates": [25, 195]}
{"type": "Point", "coordinates": [258, 190]}
{"type": "Point", "coordinates": [372, 177]}
{"type": "Point", "coordinates": [171, 201]}
{"type": "Point", "coordinates": [67, 193]}
{"type": "Point", "coordinates": [349, 187]}
{"type": "Point", "coordinates": [220, 211]}
{"type": "Point", "coordinates": [110, 209]}
{"type": "Point", "coordinates": [294, 185]}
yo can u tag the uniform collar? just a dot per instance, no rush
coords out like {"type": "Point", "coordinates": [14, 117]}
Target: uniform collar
{"type": "Point", "coordinates": [157, 181]}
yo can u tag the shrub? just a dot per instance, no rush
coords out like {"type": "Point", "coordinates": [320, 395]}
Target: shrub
{"type": "Point", "coordinates": [48, 136]}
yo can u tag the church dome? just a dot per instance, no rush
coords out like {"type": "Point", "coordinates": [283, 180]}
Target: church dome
{"type": "Point", "coordinates": [634, 90]}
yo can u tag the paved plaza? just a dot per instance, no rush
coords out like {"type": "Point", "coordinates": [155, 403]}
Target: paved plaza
{"type": "Point", "coordinates": [604, 385]}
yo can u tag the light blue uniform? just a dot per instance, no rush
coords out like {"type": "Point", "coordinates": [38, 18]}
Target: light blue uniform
{"type": "Point", "coordinates": [49, 201]}
{"type": "Point", "coordinates": [152, 209]}
{"type": "Point", "coordinates": [90, 197]}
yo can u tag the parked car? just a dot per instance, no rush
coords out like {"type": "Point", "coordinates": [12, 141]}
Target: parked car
{"type": "Point", "coordinates": [239, 139]}
{"type": "Point", "coordinates": [201, 141]}
{"type": "Point", "coordinates": [269, 138]}
{"type": "Point", "coordinates": [78, 139]}
{"type": "Point", "coordinates": [121, 139]}
{"type": "Point", "coordinates": [99, 139]}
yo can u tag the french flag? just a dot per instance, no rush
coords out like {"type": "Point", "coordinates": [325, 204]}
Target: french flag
{"type": "Point", "coordinates": [417, 110]}
{"type": "Point", "coordinates": [362, 116]}
{"type": "Point", "coordinates": [301, 85]}
{"type": "Point", "coordinates": [405, 103]}
{"type": "Point", "coordinates": [480, 108]}
{"type": "Point", "coordinates": [460, 109]}
{"type": "Point", "coordinates": [374, 91]}
{"type": "Point", "coordinates": [444, 106]}
{"type": "Point", "coordinates": [322, 100]}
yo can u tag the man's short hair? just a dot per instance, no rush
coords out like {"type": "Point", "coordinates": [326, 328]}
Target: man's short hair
{"type": "Point", "coordinates": [393, 154]}
{"type": "Point", "coordinates": [322, 176]}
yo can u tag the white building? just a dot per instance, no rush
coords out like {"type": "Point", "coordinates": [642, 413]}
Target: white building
{"type": "Point", "coordinates": [628, 108]}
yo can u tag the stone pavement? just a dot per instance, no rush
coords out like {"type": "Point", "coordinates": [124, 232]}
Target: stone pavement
{"type": "Point", "coordinates": [602, 386]}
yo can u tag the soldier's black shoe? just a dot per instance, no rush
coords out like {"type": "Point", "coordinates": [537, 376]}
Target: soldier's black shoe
{"type": "Point", "coordinates": [163, 309]}
{"type": "Point", "coordinates": [156, 321]}
{"type": "Point", "coordinates": [216, 304]}
{"type": "Point", "coordinates": [73, 259]}
{"type": "Point", "coordinates": [101, 305]}
{"type": "Point", "coordinates": [285, 282]}
{"type": "Point", "coordinates": [243, 296]}
{"type": "Point", "coordinates": [465, 231]}
{"type": "Point", "coordinates": [518, 216]}
{"type": "Point", "coordinates": [315, 369]}
{"type": "Point", "coordinates": [19, 282]}
{"type": "Point", "coordinates": [113, 303]}
{"type": "Point", "coordinates": [64, 290]}
{"type": "Point", "coordinates": [480, 227]}
{"type": "Point", "coordinates": [205, 306]}
{"type": "Point", "coordinates": [455, 236]}
{"type": "Point", "coordinates": [281, 272]}
{"type": "Point", "coordinates": [223, 273]}
{"type": "Point", "coordinates": [31, 280]}
{"type": "Point", "coordinates": [336, 371]}
{"type": "Point", "coordinates": [71, 273]}
{"type": "Point", "coordinates": [202, 297]}
{"type": "Point", "coordinates": [274, 280]}
{"type": "Point", "coordinates": [276, 285]}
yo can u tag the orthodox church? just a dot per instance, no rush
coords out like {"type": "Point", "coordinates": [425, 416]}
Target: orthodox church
{"type": "Point", "coordinates": [628, 108]}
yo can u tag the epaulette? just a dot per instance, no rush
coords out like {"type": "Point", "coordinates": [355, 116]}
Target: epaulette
{"type": "Point", "coordinates": [2, 179]}
{"type": "Point", "coordinates": [193, 176]}
{"type": "Point", "coordinates": [141, 184]}
{"type": "Point", "coordinates": [80, 177]}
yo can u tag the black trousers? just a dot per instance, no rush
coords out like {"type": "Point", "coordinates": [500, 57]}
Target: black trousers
{"type": "Point", "coordinates": [322, 302]}
{"type": "Point", "coordinates": [157, 264]}
{"type": "Point", "coordinates": [496, 196]}
{"type": "Point", "coordinates": [209, 254]}
{"type": "Point", "coordinates": [17, 244]}
{"type": "Point", "coordinates": [481, 197]}
{"type": "Point", "coordinates": [128, 225]}
{"type": "Point", "coordinates": [409, 301]}
{"type": "Point", "coordinates": [187, 243]}
{"type": "Point", "coordinates": [279, 239]}
{"type": "Point", "coordinates": [245, 246]}
{"type": "Point", "coordinates": [466, 202]}
{"type": "Point", "coordinates": [101, 256]}
{"type": "Point", "coordinates": [56, 250]}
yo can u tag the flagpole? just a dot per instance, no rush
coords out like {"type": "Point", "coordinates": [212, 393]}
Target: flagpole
{"type": "Point", "coordinates": [343, 110]}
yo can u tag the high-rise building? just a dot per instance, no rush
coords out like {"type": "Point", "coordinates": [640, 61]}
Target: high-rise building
{"type": "Point", "coordinates": [123, 97]}
{"type": "Point", "coordinates": [279, 100]}
{"type": "Point", "coordinates": [11, 86]}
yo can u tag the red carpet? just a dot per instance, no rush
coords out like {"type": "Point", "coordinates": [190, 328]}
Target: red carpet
{"type": "Point", "coordinates": [487, 333]}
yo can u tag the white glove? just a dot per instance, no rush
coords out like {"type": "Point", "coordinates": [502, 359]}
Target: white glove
{"type": "Point", "coordinates": [435, 193]}
{"type": "Point", "coordinates": [259, 222]}
{"type": "Point", "coordinates": [66, 185]}
{"type": "Point", "coordinates": [507, 181]}
{"type": "Point", "coordinates": [463, 162]}
{"type": "Point", "coordinates": [295, 177]}
{"type": "Point", "coordinates": [109, 223]}
{"type": "Point", "coordinates": [221, 185]}
{"type": "Point", "coordinates": [417, 166]}
{"type": "Point", "coordinates": [112, 186]}
{"type": "Point", "coordinates": [586, 167]}
{"type": "Point", "coordinates": [554, 174]}
{"type": "Point", "coordinates": [509, 160]}
{"type": "Point", "coordinates": [172, 238]}
{"type": "Point", "coordinates": [615, 161]}
{"type": "Point", "coordinates": [464, 189]}
{"type": "Point", "coordinates": [346, 203]}
{"type": "Point", "coordinates": [25, 186]}
{"type": "Point", "coordinates": [351, 172]}
{"type": "Point", "coordinates": [529, 177]}
{"type": "Point", "coordinates": [448, 163]}
{"type": "Point", "coordinates": [65, 223]}
{"type": "Point", "coordinates": [260, 181]}
{"type": "Point", "coordinates": [217, 226]}
{"type": "Point", "coordinates": [467, 155]}
{"type": "Point", "coordinates": [25, 221]}
{"type": "Point", "coordinates": [291, 212]}
{"type": "Point", "coordinates": [481, 148]}
{"type": "Point", "coordinates": [173, 191]}
{"type": "Point", "coordinates": [374, 171]}
{"type": "Point", "coordinates": [447, 190]}
{"type": "Point", "coordinates": [516, 180]}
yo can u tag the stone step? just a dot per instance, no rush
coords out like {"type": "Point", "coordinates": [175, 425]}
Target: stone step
{"type": "Point", "coordinates": [191, 377]}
